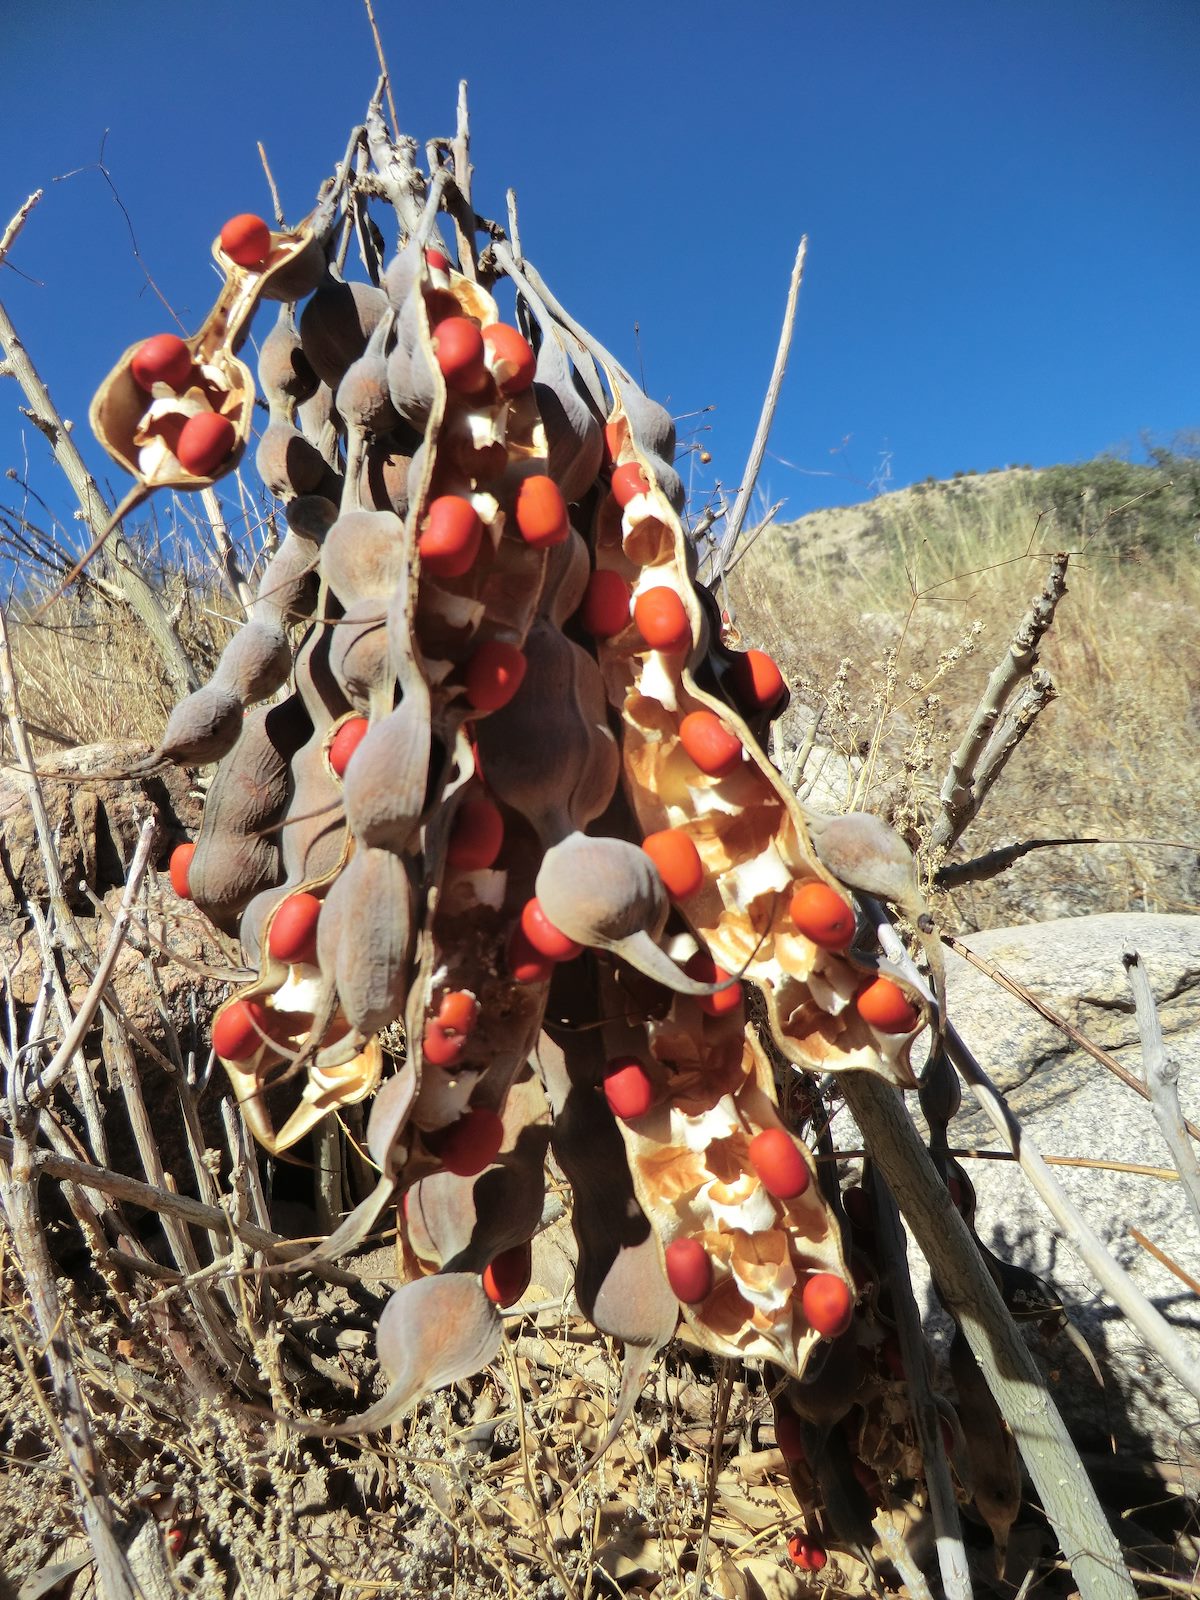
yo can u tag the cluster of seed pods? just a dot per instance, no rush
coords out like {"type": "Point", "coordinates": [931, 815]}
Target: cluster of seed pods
{"type": "Point", "coordinates": [486, 771]}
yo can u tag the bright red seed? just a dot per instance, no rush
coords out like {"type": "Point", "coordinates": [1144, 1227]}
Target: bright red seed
{"type": "Point", "coordinates": [450, 536]}
{"type": "Point", "coordinates": [436, 261]}
{"type": "Point", "coordinates": [704, 969]}
{"type": "Point", "coordinates": [506, 1277]}
{"type": "Point", "coordinates": [689, 1271]}
{"type": "Point", "coordinates": [806, 1553]}
{"type": "Point", "coordinates": [710, 744]}
{"type": "Point", "coordinates": [293, 933]}
{"type": "Point", "coordinates": [526, 964]}
{"type": "Point", "coordinates": [612, 441]}
{"type": "Point", "coordinates": [163, 359]}
{"type": "Point", "coordinates": [469, 1145]}
{"type": "Point", "coordinates": [822, 915]}
{"type": "Point", "coordinates": [246, 239]}
{"type": "Point", "coordinates": [177, 867]}
{"type": "Point", "coordinates": [544, 936]}
{"type": "Point", "coordinates": [858, 1208]}
{"type": "Point", "coordinates": [885, 1006]}
{"type": "Point", "coordinates": [439, 1048]}
{"type": "Point", "coordinates": [458, 346]}
{"type": "Point", "coordinates": [678, 861]}
{"type": "Point", "coordinates": [789, 1435]}
{"type": "Point", "coordinates": [541, 512]}
{"type": "Point", "coordinates": [476, 836]}
{"type": "Point", "coordinates": [458, 1012]}
{"type": "Point", "coordinates": [238, 1029]}
{"type": "Point", "coordinates": [781, 1168]}
{"type": "Point", "coordinates": [628, 481]}
{"type": "Point", "coordinates": [345, 742]}
{"type": "Point", "coordinates": [627, 1089]}
{"type": "Point", "coordinates": [828, 1304]}
{"type": "Point", "coordinates": [511, 358]}
{"type": "Point", "coordinates": [494, 674]}
{"type": "Point", "coordinates": [662, 619]}
{"type": "Point", "coordinates": [204, 442]}
{"type": "Point", "coordinates": [605, 607]}
{"type": "Point", "coordinates": [757, 681]}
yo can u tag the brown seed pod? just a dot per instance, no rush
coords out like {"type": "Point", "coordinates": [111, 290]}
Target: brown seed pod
{"type": "Point", "coordinates": [362, 398]}
{"type": "Point", "coordinates": [359, 656]}
{"type": "Point", "coordinates": [336, 324]}
{"type": "Point", "coordinates": [204, 727]}
{"type": "Point", "coordinates": [287, 463]}
{"type": "Point", "coordinates": [364, 555]}
{"type": "Point", "coordinates": [235, 858]}
{"type": "Point", "coordinates": [372, 964]}
{"type": "Point", "coordinates": [549, 754]}
{"type": "Point", "coordinates": [289, 585]}
{"type": "Point", "coordinates": [255, 662]}
{"type": "Point", "coordinates": [385, 783]}
{"type": "Point", "coordinates": [283, 368]}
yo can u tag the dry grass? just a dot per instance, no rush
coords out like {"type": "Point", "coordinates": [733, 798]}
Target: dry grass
{"type": "Point", "coordinates": [892, 638]}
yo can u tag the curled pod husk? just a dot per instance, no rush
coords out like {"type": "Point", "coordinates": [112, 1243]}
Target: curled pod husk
{"type": "Point", "coordinates": [690, 1159]}
{"type": "Point", "coordinates": [747, 828]}
{"type": "Point", "coordinates": [236, 854]}
{"type": "Point", "coordinates": [283, 369]}
{"type": "Point", "coordinates": [141, 431]}
{"type": "Point", "coordinates": [287, 463]}
{"type": "Point", "coordinates": [336, 324]}
{"type": "Point", "coordinates": [574, 429]}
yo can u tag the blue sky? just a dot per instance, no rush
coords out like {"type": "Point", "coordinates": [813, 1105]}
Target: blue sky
{"type": "Point", "coordinates": [1001, 198]}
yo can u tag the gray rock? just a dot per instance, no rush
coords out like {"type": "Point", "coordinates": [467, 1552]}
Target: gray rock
{"type": "Point", "coordinates": [1071, 1105]}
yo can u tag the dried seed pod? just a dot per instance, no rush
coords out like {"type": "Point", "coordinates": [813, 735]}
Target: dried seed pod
{"type": "Point", "coordinates": [551, 755]}
{"type": "Point", "coordinates": [336, 324]}
{"type": "Point", "coordinates": [204, 727]}
{"type": "Point", "coordinates": [311, 516]}
{"type": "Point", "coordinates": [371, 909]}
{"type": "Point", "coordinates": [364, 555]}
{"type": "Point", "coordinates": [235, 858]}
{"type": "Point", "coordinates": [283, 368]}
{"type": "Point", "coordinates": [359, 655]}
{"type": "Point", "coordinates": [254, 663]}
{"type": "Point", "coordinates": [363, 399]}
{"type": "Point", "coordinates": [385, 784]}
{"type": "Point", "coordinates": [289, 585]}
{"type": "Point", "coordinates": [287, 463]}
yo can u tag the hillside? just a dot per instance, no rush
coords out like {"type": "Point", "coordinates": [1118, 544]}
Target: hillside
{"type": "Point", "coordinates": [888, 618]}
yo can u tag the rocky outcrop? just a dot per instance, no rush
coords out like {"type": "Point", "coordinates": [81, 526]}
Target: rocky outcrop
{"type": "Point", "coordinates": [1070, 1105]}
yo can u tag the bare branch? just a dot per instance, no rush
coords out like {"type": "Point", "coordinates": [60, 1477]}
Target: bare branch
{"type": "Point", "coordinates": [737, 516]}
{"type": "Point", "coordinates": [18, 222]}
{"type": "Point", "coordinates": [993, 734]}
{"type": "Point", "coordinates": [1162, 1080]}
{"type": "Point", "coordinates": [1157, 1332]}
